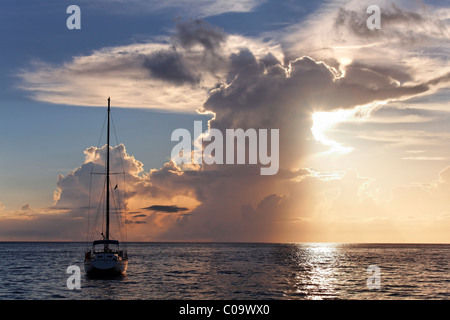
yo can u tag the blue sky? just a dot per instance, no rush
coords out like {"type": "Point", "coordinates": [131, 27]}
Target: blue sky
{"type": "Point", "coordinates": [36, 31]}
{"type": "Point", "coordinates": [53, 134]}
{"type": "Point", "coordinates": [365, 142]}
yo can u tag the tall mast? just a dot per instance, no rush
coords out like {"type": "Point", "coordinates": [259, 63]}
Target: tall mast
{"type": "Point", "coordinates": [107, 177]}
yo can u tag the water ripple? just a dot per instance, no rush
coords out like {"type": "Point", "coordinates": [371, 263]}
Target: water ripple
{"type": "Point", "coordinates": [232, 271]}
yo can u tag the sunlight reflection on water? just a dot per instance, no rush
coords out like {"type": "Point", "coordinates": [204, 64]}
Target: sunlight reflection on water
{"type": "Point", "coordinates": [316, 271]}
{"type": "Point", "coordinates": [232, 271]}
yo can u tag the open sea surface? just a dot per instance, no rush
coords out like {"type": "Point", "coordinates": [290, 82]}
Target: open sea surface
{"type": "Point", "coordinates": [216, 271]}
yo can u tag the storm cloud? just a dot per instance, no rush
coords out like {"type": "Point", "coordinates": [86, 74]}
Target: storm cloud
{"type": "Point", "coordinates": [247, 83]}
{"type": "Point", "coordinates": [168, 209]}
{"type": "Point", "coordinates": [199, 32]}
{"type": "Point", "coordinates": [169, 65]}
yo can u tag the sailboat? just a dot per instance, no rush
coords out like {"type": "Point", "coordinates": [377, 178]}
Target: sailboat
{"type": "Point", "coordinates": [106, 256]}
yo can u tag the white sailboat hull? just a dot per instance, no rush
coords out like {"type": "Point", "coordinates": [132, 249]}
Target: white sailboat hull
{"type": "Point", "coordinates": [105, 266]}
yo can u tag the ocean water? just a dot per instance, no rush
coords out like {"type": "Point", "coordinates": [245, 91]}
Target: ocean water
{"type": "Point", "coordinates": [216, 271]}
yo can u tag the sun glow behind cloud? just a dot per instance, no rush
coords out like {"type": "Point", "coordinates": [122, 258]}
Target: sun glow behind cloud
{"type": "Point", "coordinates": [324, 121]}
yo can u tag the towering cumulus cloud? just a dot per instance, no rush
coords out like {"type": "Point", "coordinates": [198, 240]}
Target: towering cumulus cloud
{"type": "Point", "coordinates": [266, 92]}
{"type": "Point", "coordinates": [330, 64]}
{"type": "Point", "coordinates": [237, 203]}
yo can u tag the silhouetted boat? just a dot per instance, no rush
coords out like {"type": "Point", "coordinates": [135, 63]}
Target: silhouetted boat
{"type": "Point", "coordinates": [106, 257]}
